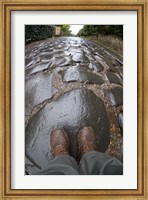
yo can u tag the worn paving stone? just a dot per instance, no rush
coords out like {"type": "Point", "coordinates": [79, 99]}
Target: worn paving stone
{"type": "Point", "coordinates": [37, 68]}
{"type": "Point", "coordinates": [46, 56]}
{"type": "Point", "coordinates": [61, 62]}
{"type": "Point", "coordinates": [27, 61]}
{"type": "Point", "coordinates": [81, 74]}
{"type": "Point", "coordinates": [113, 78]}
{"type": "Point", "coordinates": [115, 96]}
{"type": "Point", "coordinates": [96, 66]}
{"type": "Point", "coordinates": [79, 57]}
{"type": "Point", "coordinates": [120, 118]}
{"type": "Point", "coordinates": [72, 111]}
{"type": "Point", "coordinates": [75, 49]}
{"type": "Point", "coordinates": [38, 89]}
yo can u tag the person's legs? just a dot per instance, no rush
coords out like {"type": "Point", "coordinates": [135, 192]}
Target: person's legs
{"type": "Point", "coordinates": [97, 163]}
{"type": "Point", "coordinates": [93, 162]}
{"type": "Point", "coordinates": [62, 163]}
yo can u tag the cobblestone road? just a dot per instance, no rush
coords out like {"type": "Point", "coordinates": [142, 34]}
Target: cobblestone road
{"type": "Point", "coordinates": [70, 83]}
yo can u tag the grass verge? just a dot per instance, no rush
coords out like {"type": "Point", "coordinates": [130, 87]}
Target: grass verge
{"type": "Point", "coordinates": [111, 43]}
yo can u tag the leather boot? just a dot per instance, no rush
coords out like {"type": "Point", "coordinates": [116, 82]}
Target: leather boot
{"type": "Point", "coordinates": [59, 142]}
{"type": "Point", "coordinates": [86, 141]}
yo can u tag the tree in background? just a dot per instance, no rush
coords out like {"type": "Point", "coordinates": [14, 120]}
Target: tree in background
{"type": "Point", "coordinates": [95, 30]}
{"type": "Point", "coordinates": [38, 32]}
{"type": "Point", "coordinates": [66, 30]}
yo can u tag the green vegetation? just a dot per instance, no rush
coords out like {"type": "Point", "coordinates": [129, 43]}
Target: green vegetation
{"type": "Point", "coordinates": [96, 30]}
{"type": "Point", "coordinates": [38, 32]}
{"type": "Point", "coordinates": [112, 43]}
{"type": "Point", "coordinates": [66, 30]}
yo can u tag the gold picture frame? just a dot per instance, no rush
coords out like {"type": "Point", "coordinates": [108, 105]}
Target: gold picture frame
{"type": "Point", "coordinates": [6, 6]}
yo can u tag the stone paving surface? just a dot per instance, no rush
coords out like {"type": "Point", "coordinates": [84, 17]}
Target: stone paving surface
{"type": "Point", "coordinates": [70, 83]}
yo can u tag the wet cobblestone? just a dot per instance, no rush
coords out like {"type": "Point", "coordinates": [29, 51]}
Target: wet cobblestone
{"type": "Point", "coordinates": [71, 83]}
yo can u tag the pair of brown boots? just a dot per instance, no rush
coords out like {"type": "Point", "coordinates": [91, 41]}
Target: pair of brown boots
{"type": "Point", "coordinates": [60, 143]}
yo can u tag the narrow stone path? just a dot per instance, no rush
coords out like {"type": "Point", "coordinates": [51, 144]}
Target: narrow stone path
{"type": "Point", "coordinates": [70, 83]}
